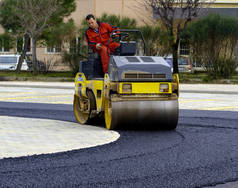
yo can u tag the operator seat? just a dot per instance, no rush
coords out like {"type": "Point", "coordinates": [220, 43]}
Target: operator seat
{"type": "Point", "coordinates": [127, 48]}
{"type": "Point", "coordinates": [92, 68]}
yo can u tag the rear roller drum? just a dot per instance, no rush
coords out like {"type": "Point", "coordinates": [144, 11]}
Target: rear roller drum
{"type": "Point", "coordinates": [84, 107]}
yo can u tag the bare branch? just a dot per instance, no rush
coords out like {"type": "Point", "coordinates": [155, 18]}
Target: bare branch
{"type": "Point", "coordinates": [174, 15]}
{"type": "Point", "coordinates": [35, 15]}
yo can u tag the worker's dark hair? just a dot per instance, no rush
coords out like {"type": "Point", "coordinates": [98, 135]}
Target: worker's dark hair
{"type": "Point", "coordinates": [88, 17]}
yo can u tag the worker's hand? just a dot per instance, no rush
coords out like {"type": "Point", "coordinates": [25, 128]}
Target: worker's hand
{"type": "Point", "coordinates": [115, 35]}
{"type": "Point", "coordinates": [98, 46]}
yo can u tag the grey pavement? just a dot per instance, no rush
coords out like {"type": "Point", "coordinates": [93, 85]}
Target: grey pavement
{"type": "Point", "coordinates": [31, 136]}
{"type": "Point", "coordinates": [32, 84]}
{"type": "Point", "coordinates": [210, 88]}
{"type": "Point", "coordinates": [188, 88]}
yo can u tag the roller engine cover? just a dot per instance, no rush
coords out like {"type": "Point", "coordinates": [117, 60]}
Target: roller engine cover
{"type": "Point", "coordinates": [139, 68]}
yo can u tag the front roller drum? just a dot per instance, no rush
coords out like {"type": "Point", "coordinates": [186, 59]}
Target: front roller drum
{"type": "Point", "coordinates": [80, 114]}
{"type": "Point", "coordinates": [83, 108]}
{"type": "Point", "coordinates": [151, 114]}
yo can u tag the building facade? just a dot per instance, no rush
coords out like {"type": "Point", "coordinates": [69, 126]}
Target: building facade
{"type": "Point", "coordinates": [129, 8]}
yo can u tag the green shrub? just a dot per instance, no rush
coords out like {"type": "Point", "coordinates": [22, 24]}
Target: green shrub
{"type": "Point", "coordinates": [226, 68]}
{"type": "Point", "coordinates": [214, 41]}
{"type": "Point", "coordinates": [72, 59]}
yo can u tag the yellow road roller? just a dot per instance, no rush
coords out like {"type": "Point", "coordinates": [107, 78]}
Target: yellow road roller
{"type": "Point", "coordinates": [138, 90]}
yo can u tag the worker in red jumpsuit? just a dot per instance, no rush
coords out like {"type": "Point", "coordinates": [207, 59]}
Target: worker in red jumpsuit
{"type": "Point", "coordinates": [97, 36]}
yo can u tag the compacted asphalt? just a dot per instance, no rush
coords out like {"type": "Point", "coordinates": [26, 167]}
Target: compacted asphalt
{"type": "Point", "coordinates": [201, 152]}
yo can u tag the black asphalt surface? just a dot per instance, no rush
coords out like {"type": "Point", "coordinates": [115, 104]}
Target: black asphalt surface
{"type": "Point", "coordinates": [202, 151]}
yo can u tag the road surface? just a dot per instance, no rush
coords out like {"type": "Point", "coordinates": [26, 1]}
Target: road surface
{"type": "Point", "coordinates": [201, 152]}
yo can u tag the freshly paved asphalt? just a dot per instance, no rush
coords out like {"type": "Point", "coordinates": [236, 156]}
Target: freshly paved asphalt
{"type": "Point", "coordinates": [202, 151]}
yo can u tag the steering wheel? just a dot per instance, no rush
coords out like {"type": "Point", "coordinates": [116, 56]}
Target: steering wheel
{"type": "Point", "coordinates": [124, 35]}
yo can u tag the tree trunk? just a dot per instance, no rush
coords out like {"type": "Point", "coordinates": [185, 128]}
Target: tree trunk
{"type": "Point", "coordinates": [23, 53]}
{"type": "Point", "coordinates": [34, 58]}
{"type": "Point", "coordinates": [175, 58]}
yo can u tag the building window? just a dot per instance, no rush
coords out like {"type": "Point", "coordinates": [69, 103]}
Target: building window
{"type": "Point", "coordinates": [54, 48]}
{"type": "Point", "coordinates": [50, 49]}
{"type": "Point", "coordinates": [29, 46]}
{"type": "Point", "coordinates": [184, 48]}
{"type": "Point", "coordinates": [4, 45]}
{"type": "Point", "coordinates": [19, 45]}
{"type": "Point", "coordinates": [74, 45]}
{"type": "Point", "coordinates": [1, 45]}
{"type": "Point", "coordinates": [58, 48]}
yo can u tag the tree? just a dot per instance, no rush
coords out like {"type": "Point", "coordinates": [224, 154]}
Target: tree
{"type": "Point", "coordinates": [174, 15]}
{"type": "Point", "coordinates": [13, 27]}
{"type": "Point", "coordinates": [35, 16]}
{"type": "Point", "coordinates": [66, 34]}
{"type": "Point", "coordinates": [214, 42]}
{"type": "Point", "coordinates": [156, 40]}
{"type": "Point", "coordinates": [121, 22]}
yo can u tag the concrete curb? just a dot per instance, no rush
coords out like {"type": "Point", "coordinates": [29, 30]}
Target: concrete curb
{"type": "Point", "coordinates": [210, 92]}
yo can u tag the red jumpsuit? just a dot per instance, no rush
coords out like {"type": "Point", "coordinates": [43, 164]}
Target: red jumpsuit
{"type": "Point", "coordinates": [101, 36]}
